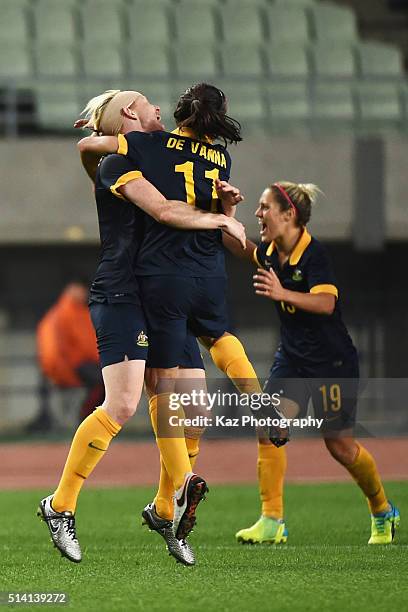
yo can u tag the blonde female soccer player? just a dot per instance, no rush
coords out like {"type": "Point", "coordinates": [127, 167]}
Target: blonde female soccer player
{"type": "Point", "coordinates": [122, 197]}
{"type": "Point", "coordinates": [315, 359]}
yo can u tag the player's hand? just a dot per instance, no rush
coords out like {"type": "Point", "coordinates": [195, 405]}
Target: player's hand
{"type": "Point", "coordinates": [228, 194]}
{"type": "Point", "coordinates": [235, 229]}
{"type": "Point", "coordinates": [266, 283]}
{"type": "Point", "coordinates": [81, 123]}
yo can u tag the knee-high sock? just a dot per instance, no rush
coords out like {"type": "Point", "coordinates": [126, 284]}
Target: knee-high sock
{"type": "Point", "coordinates": [365, 473]}
{"type": "Point", "coordinates": [271, 474]}
{"type": "Point", "coordinates": [170, 439]}
{"type": "Point", "coordinates": [164, 496]}
{"type": "Point", "coordinates": [193, 448]}
{"type": "Point", "coordinates": [229, 356]}
{"type": "Point", "coordinates": [89, 444]}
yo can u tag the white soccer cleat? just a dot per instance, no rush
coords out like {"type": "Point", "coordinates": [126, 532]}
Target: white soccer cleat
{"type": "Point", "coordinates": [186, 500]}
{"type": "Point", "coordinates": [62, 529]}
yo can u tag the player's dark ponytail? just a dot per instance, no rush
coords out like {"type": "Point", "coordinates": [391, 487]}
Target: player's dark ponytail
{"type": "Point", "coordinates": [203, 109]}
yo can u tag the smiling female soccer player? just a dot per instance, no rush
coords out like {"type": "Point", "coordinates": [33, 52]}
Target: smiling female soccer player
{"type": "Point", "coordinates": [315, 359]}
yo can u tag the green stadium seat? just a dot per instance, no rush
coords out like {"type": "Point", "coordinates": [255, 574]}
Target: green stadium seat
{"type": "Point", "coordinates": [287, 24]}
{"type": "Point", "coordinates": [102, 60]}
{"type": "Point", "coordinates": [15, 62]}
{"type": "Point", "coordinates": [245, 102]}
{"type": "Point", "coordinates": [288, 103]}
{"type": "Point", "coordinates": [295, 2]}
{"type": "Point", "coordinates": [56, 60]}
{"type": "Point", "coordinates": [147, 60]}
{"type": "Point", "coordinates": [286, 60]}
{"type": "Point", "coordinates": [334, 23]}
{"type": "Point", "coordinates": [333, 61]}
{"type": "Point", "coordinates": [54, 22]}
{"type": "Point", "coordinates": [195, 22]}
{"type": "Point", "coordinates": [240, 21]}
{"type": "Point", "coordinates": [380, 60]}
{"type": "Point", "coordinates": [161, 3]}
{"type": "Point", "coordinates": [13, 23]}
{"type": "Point", "coordinates": [242, 60]}
{"type": "Point", "coordinates": [195, 61]}
{"type": "Point", "coordinates": [102, 22]}
{"type": "Point", "coordinates": [333, 102]}
{"type": "Point", "coordinates": [58, 106]}
{"type": "Point", "coordinates": [250, 3]}
{"type": "Point", "coordinates": [147, 23]}
{"type": "Point", "coordinates": [379, 102]}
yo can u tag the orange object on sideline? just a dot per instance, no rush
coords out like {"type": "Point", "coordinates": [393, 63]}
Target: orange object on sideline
{"type": "Point", "coordinates": [66, 338]}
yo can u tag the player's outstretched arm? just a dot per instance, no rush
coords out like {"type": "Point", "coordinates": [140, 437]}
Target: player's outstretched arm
{"type": "Point", "coordinates": [178, 214]}
{"type": "Point", "coordinates": [92, 148]}
{"type": "Point", "coordinates": [231, 245]}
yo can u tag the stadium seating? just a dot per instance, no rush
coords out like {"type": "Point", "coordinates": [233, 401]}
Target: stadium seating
{"type": "Point", "coordinates": [141, 58]}
{"type": "Point", "coordinates": [195, 23]}
{"type": "Point", "coordinates": [193, 60]}
{"type": "Point", "coordinates": [56, 60]}
{"type": "Point", "coordinates": [380, 60]}
{"type": "Point", "coordinates": [288, 104]}
{"type": "Point", "coordinates": [245, 101]}
{"type": "Point", "coordinates": [379, 103]}
{"type": "Point", "coordinates": [13, 23]}
{"type": "Point", "coordinates": [47, 19]}
{"type": "Point", "coordinates": [241, 20]}
{"type": "Point", "coordinates": [242, 60]}
{"type": "Point", "coordinates": [333, 61]}
{"type": "Point", "coordinates": [102, 60]}
{"type": "Point", "coordinates": [333, 102]}
{"type": "Point", "coordinates": [58, 106]}
{"type": "Point", "coordinates": [333, 23]}
{"type": "Point", "coordinates": [287, 61]}
{"type": "Point", "coordinates": [147, 23]}
{"type": "Point", "coordinates": [290, 42]}
{"type": "Point", "coordinates": [15, 63]}
{"type": "Point", "coordinates": [95, 16]}
{"type": "Point", "coordinates": [287, 24]}
{"type": "Point", "coordinates": [295, 2]}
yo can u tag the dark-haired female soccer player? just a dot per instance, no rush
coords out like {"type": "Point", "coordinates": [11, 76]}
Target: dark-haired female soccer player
{"type": "Point", "coordinates": [116, 307]}
{"type": "Point", "coordinates": [182, 257]}
{"type": "Point", "coordinates": [316, 357]}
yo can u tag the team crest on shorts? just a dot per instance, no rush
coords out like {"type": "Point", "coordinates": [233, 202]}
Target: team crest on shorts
{"type": "Point", "coordinates": [142, 339]}
{"type": "Point", "coordinates": [297, 275]}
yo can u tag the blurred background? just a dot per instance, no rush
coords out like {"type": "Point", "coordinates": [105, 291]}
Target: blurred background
{"type": "Point", "coordinates": [322, 94]}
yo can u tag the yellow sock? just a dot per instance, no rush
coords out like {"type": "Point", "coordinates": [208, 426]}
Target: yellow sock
{"type": "Point", "coordinates": [193, 448]}
{"type": "Point", "coordinates": [88, 446]}
{"type": "Point", "coordinates": [229, 356]}
{"type": "Point", "coordinates": [271, 474]}
{"type": "Point", "coordinates": [170, 440]}
{"type": "Point", "coordinates": [164, 496]}
{"type": "Point", "coordinates": [365, 473]}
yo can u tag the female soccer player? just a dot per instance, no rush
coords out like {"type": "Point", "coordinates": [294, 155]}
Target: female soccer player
{"type": "Point", "coordinates": [316, 357]}
{"type": "Point", "coordinates": [182, 274]}
{"type": "Point", "coordinates": [115, 305]}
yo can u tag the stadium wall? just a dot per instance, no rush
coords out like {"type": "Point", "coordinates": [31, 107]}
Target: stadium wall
{"type": "Point", "coordinates": [47, 198]}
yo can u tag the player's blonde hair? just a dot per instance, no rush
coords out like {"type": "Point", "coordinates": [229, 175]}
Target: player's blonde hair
{"type": "Point", "coordinates": [104, 111]}
{"type": "Point", "coordinates": [299, 196]}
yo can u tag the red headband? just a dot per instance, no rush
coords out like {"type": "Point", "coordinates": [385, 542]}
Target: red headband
{"type": "Point", "coordinates": [286, 196]}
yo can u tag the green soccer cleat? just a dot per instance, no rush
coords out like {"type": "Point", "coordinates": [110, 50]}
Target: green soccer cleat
{"type": "Point", "coordinates": [265, 531]}
{"type": "Point", "coordinates": [383, 526]}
